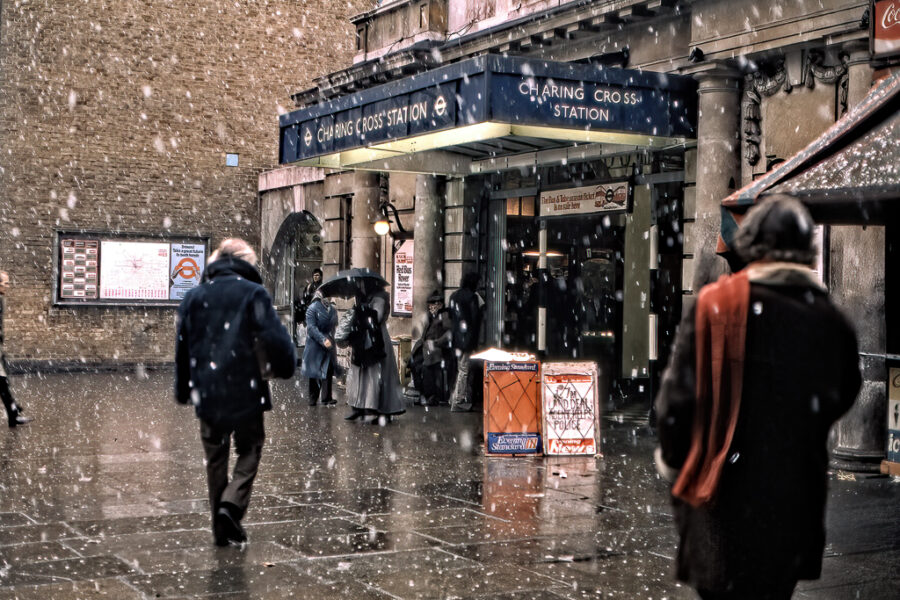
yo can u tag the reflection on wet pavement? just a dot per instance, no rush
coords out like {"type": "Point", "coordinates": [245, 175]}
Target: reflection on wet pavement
{"type": "Point", "coordinates": [103, 496]}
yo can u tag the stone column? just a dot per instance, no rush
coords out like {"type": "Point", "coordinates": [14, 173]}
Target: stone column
{"type": "Point", "coordinates": [428, 262]}
{"type": "Point", "coordinates": [718, 161]}
{"type": "Point", "coordinates": [857, 285]}
{"type": "Point", "coordinates": [365, 243]}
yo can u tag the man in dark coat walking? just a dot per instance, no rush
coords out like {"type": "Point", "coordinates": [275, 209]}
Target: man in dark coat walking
{"type": "Point", "coordinates": [14, 414]}
{"type": "Point", "coordinates": [229, 341]}
{"type": "Point", "coordinates": [465, 309]}
{"type": "Point", "coordinates": [319, 356]}
{"type": "Point", "coordinates": [763, 365]}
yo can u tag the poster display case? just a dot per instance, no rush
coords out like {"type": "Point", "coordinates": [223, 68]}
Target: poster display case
{"type": "Point", "coordinates": [109, 268]}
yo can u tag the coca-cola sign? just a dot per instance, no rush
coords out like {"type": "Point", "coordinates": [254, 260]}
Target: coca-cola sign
{"type": "Point", "coordinates": [885, 28]}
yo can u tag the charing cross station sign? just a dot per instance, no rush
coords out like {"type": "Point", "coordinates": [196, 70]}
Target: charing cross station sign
{"type": "Point", "coordinates": [534, 98]}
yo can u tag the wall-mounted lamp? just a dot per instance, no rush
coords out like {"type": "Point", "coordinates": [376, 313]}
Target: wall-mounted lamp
{"type": "Point", "coordinates": [383, 225]}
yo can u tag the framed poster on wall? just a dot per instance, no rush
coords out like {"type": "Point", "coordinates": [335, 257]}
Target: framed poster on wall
{"type": "Point", "coordinates": [402, 281]}
{"type": "Point", "coordinates": [109, 268]}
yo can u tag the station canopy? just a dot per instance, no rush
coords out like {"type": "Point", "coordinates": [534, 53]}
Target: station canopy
{"type": "Point", "coordinates": [491, 113]}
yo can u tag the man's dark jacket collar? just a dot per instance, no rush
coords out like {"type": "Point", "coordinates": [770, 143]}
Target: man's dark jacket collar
{"type": "Point", "coordinates": [229, 266]}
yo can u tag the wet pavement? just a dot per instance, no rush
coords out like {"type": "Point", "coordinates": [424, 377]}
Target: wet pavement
{"type": "Point", "coordinates": [103, 496]}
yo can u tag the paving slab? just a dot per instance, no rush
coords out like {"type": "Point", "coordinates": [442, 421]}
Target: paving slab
{"type": "Point", "coordinates": [104, 497]}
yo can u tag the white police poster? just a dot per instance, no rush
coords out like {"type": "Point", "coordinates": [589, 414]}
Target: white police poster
{"type": "Point", "coordinates": [570, 408]}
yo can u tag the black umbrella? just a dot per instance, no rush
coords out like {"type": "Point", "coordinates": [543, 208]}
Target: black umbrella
{"type": "Point", "coordinates": [347, 284]}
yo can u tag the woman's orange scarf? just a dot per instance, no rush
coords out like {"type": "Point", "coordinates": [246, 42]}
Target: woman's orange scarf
{"type": "Point", "coordinates": [721, 322]}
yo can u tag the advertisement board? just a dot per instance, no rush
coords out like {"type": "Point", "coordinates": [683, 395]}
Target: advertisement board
{"type": "Point", "coordinates": [185, 268]}
{"type": "Point", "coordinates": [893, 417]}
{"type": "Point", "coordinates": [118, 269]}
{"type": "Point", "coordinates": [402, 282]}
{"type": "Point", "coordinates": [512, 408]}
{"type": "Point", "coordinates": [570, 409]}
{"type": "Point", "coordinates": [605, 197]}
{"type": "Point", "coordinates": [885, 28]}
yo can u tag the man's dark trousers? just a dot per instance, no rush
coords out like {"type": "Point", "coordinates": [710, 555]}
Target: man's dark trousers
{"type": "Point", "coordinates": [12, 409]}
{"type": "Point", "coordinates": [320, 389]}
{"type": "Point", "coordinates": [248, 443]}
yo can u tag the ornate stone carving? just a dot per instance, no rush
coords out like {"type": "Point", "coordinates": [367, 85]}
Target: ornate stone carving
{"type": "Point", "coordinates": [759, 84]}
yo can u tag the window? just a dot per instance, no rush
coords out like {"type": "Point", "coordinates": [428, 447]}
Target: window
{"type": "Point", "coordinates": [361, 39]}
{"type": "Point", "coordinates": [231, 160]}
{"type": "Point", "coordinates": [423, 16]}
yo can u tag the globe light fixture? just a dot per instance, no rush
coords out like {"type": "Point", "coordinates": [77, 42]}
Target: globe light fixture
{"type": "Point", "coordinates": [382, 226]}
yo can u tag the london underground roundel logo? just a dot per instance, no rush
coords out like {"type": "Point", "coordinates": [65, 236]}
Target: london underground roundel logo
{"type": "Point", "coordinates": [440, 106]}
{"type": "Point", "coordinates": [307, 137]}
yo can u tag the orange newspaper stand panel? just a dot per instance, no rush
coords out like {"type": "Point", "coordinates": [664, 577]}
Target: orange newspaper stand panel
{"type": "Point", "coordinates": [512, 408]}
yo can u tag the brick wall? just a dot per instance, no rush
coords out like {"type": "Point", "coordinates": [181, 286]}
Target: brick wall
{"type": "Point", "coordinates": [117, 116]}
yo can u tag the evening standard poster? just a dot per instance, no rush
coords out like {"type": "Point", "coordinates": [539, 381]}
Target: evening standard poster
{"type": "Point", "coordinates": [570, 411]}
{"type": "Point", "coordinates": [185, 268]}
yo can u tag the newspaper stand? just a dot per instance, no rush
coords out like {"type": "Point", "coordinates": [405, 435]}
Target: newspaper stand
{"type": "Point", "coordinates": [571, 415]}
{"type": "Point", "coordinates": [512, 408]}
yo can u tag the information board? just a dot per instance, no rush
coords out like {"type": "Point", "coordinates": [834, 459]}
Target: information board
{"type": "Point", "coordinates": [78, 271]}
{"type": "Point", "coordinates": [570, 408]}
{"type": "Point", "coordinates": [115, 269]}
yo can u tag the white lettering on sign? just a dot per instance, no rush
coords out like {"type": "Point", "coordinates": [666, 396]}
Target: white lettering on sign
{"type": "Point", "coordinates": [886, 28]}
{"type": "Point", "coordinates": [891, 16]}
{"type": "Point", "coordinates": [414, 112]}
{"type": "Point", "coordinates": [583, 107]}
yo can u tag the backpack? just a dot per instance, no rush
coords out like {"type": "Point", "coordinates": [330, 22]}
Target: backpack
{"type": "Point", "coordinates": [366, 339]}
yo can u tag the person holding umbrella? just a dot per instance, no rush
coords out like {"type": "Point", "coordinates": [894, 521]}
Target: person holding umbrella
{"type": "Point", "coordinates": [373, 383]}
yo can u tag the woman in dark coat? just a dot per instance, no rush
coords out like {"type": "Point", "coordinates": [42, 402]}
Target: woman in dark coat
{"type": "Point", "coordinates": [319, 356]}
{"type": "Point", "coordinates": [375, 389]}
{"type": "Point", "coordinates": [763, 365]}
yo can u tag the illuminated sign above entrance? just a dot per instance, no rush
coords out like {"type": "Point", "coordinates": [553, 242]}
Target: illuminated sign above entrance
{"type": "Point", "coordinates": [491, 96]}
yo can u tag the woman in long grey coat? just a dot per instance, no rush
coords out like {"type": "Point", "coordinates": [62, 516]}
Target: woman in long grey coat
{"type": "Point", "coordinates": [375, 389]}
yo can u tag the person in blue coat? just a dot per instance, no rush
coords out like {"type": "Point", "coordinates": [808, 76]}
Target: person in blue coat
{"type": "Point", "coordinates": [229, 341]}
{"type": "Point", "coordinates": [319, 356]}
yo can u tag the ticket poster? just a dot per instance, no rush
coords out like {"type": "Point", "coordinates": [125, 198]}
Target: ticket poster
{"type": "Point", "coordinates": [79, 266]}
{"type": "Point", "coordinates": [570, 408]}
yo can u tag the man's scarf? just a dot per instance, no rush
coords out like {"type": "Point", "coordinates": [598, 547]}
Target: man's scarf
{"type": "Point", "coordinates": [721, 332]}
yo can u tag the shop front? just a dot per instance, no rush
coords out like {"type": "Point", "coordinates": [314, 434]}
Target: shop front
{"type": "Point", "coordinates": [561, 184]}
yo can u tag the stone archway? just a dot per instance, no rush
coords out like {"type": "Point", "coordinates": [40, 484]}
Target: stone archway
{"type": "Point", "coordinates": [295, 252]}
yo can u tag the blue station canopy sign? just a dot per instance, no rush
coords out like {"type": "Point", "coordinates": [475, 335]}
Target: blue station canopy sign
{"type": "Point", "coordinates": [515, 96]}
